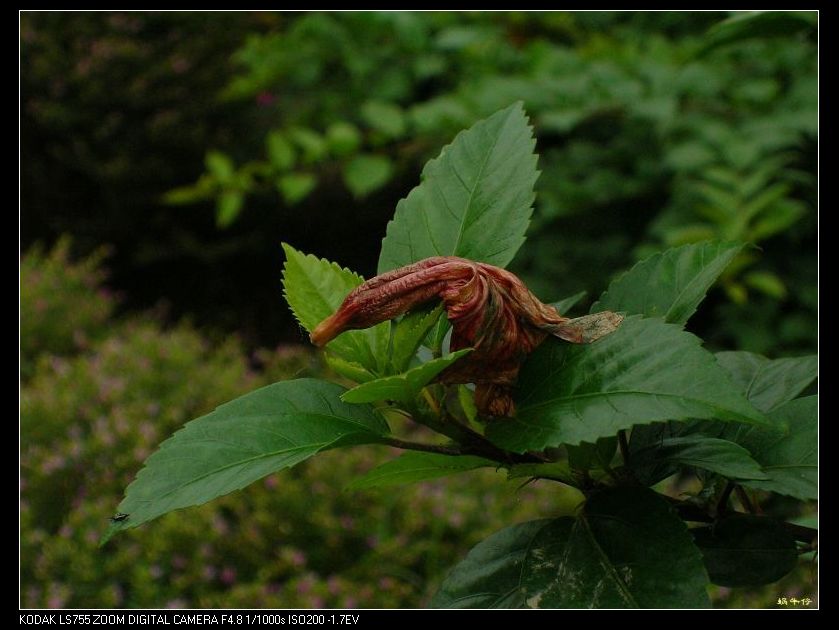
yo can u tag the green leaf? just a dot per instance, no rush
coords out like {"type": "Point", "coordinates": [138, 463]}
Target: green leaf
{"type": "Point", "coordinates": [272, 428]}
{"type": "Point", "coordinates": [769, 383]}
{"type": "Point", "coordinates": [626, 550]}
{"type": "Point", "coordinates": [758, 24]}
{"type": "Point", "coordinates": [563, 306]}
{"type": "Point", "coordinates": [367, 173]}
{"type": "Point", "coordinates": [490, 575]}
{"type": "Point", "coordinates": [415, 466]}
{"type": "Point", "coordinates": [220, 166]}
{"type": "Point", "coordinates": [314, 289]}
{"type": "Point", "coordinates": [598, 455]}
{"type": "Point", "coordinates": [295, 187]}
{"type": "Point", "coordinates": [228, 206]}
{"type": "Point", "coordinates": [475, 199]}
{"type": "Point", "coordinates": [644, 372]}
{"type": "Point", "coordinates": [746, 550]}
{"type": "Point", "coordinates": [670, 284]}
{"type": "Point", "coordinates": [281, 153]}
{"type": "Point", "coordinates": [386, 118]}
{"type": "Point", "coordinates": [409, 333]}
{"type": "Point", "coordinates": [714, 454]}
{"type": "Point", "coordinates": [402, 387]}
{"type": "Point", "coordinates": [789, 458]}
{"type": "Point", "coordinates": [767, 283]}
{"type": "Point", "coordinates": [343, 138]}
{"type": "Point", "coordinates": [310, 142]}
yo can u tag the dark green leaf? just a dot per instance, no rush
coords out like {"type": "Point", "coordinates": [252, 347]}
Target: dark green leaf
{"type": "Point", "coordinates": [490, 575]}
{"type": "Point", "coordinates": [769, 383]}
{"type": "Point", "coordinates": [415, 466]}
{"type": "Point", "coordinates": [746, 550]}
{"type": "Point", "coordinates": [474, 200]}
{"type": "Point", "coordinates": [244, 440]}
{"type": "Point", "coordinates": [598, 455]}
{"type": "Point", "coordinates": [626, 550]}
{"type": "Point", "coordinates": [402, 387]}
{"type": "Point", "coordinates": [314, 289]}
{"type": "Point", "coordinates": [790, 457]}
{"type": "Point", "coordinates": [670, 284]}
{"type": "Point", "coordinates": [714, 454]}
{"type": "Point", "coordinates": [644, 372]}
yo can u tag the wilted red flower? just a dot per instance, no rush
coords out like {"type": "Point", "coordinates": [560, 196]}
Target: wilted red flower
{"type": "Point", "coordinates": [490, 309]}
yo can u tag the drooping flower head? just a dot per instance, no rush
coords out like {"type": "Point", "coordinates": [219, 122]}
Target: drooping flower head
{"type": "Point", "coordinates": [490, 310]}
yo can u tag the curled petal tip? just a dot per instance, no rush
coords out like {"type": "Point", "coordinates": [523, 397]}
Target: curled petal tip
{"type": "Point", "coordinates": [325, 332]}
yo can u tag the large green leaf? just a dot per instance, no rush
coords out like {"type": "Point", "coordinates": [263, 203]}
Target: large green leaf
{"type": "Point", "coordinates": [416, 466]}
{"type": "Point", "coordinates": [627, 549]}
{"type": "Point", "coordinates": [746, 550]}
{"type": "Point", "coordinates": [475, 199]}
{"type": "Point", "coordinates": [644, 372]}
{"type": "Point", "coordinates": [402, 387]}
{"type": "Point", "coordinates": [670, 284]}
{"type": "Point", "coordinates": [769, 383]}
{"type": "Point", "coordinates": [244, 440]}
{"type": "Point", "coordinates": [788, 453]}
{"type": "Point", "coordinates": [314, 289]}
{"type": "Point", "coordinates": [713, 454]}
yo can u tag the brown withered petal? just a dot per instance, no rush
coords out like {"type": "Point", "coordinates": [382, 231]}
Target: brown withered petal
{"type": "Point", "coordinates": [490, 310]}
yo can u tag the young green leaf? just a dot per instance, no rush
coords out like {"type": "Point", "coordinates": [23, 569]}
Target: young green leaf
{"type": "Point", "coordinates": [746, 550]}
{"type": "Point", "coordinates": [402, 387]}
{"type": "Point", "coordinates": [625, 550]}
{"type": "Point", "coordinates": [314, 289]}
{"type": "Point", "coordinates": [670, 284]}
{"type": "Point", "coordinates": [475, 199]}
{"type": "Point", "coordinates": [769, 383]}
{"type": "Point", "coordinates": [415, 466]}
{"type": "Point", "coordinates": [272, 428]}
{"type": "Point", "coordinates": [409, 333]}
{"type": "Point", "coordinates": [644, 372]}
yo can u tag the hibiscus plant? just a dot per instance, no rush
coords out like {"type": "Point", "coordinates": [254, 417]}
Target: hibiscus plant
{"type": "Point", "coordinates": [622, 404]}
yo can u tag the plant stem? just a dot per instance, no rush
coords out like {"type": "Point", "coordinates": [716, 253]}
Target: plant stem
{"type": "Point", "coordinates": [624, 446]}
{"type": "Point", "coordinates": [745, 500]}
{"type": "Point", "coordinates": [722, 503]}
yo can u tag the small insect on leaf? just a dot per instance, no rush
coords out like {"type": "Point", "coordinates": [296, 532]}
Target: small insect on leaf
{"type": "Point", "coordinates": [119, 516]}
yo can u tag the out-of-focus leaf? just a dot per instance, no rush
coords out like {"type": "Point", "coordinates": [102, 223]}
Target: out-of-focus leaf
{"type": "Point", "coordinates": [295, 187]}
{"type": "Point", "coordinates": [367, 173]}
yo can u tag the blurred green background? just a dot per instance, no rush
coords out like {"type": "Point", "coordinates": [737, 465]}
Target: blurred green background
{"type": "Point", "coordinates": [166, 155]}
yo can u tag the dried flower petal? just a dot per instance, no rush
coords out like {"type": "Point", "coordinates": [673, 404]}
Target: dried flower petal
{"type": "Point", "coordinates": [490, 309]}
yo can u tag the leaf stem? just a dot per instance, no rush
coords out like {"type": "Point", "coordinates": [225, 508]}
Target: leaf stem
{"type": "Point", "coordinates": [419, 446]}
